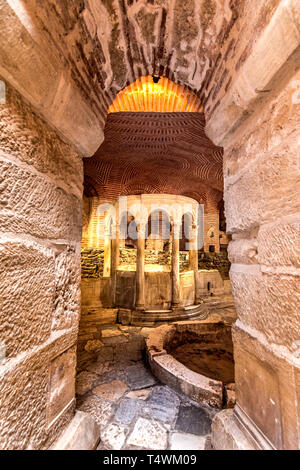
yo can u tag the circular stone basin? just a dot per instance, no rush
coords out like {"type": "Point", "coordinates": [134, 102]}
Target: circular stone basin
{"type": "Point", "coordinates": [195, 358]}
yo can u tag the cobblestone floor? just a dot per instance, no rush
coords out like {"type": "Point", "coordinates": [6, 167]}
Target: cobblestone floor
{"type": "Point", "coordinates": [134, 411]}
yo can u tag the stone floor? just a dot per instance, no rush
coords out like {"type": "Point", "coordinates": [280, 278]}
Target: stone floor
{"type": "Point", "coordinates": [134, 411]}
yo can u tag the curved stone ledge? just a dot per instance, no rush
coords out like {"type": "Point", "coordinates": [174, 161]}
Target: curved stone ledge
{"type": "Point", "coordinates": [175, 374]}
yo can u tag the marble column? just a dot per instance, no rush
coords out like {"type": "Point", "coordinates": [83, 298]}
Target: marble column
{"type": "Point", "coordinates": [193, 261]}
{"type": "Point", "coordinates": [175, 266]}
{"type": "Point", "coordinates": [140, 268]}
{"type": "Point", "coordinates": [115, 258]}
{"type": "Point", "coordinates": [107, 253]}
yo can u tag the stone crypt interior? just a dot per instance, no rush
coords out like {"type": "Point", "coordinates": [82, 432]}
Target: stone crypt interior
{"type": "Point", "coordinates": [132, 327]}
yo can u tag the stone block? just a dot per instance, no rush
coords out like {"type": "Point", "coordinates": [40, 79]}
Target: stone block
{"type": "Point", "coordinates": [83, 433]}
{"type": "Point", "coordinates": [267, 302]}
{"type": "Point", "coordinates": [61, 387]}
{"type": "Point", "coordinates": [33, 205]}
{"type": "Point", "coordinates": [111, 391]}
{"type": "Point", "coordinates": [278, 243]}
{"type": "Point", "coordinates": [148, 434]}
{"type": "Point", "coordinates": [101, 410]}
{"type": "Point", "coordinates": [27, 292]}
{"type": "Point", "coordinates": [23, 423]}
{"type": "Point", "coordinates": [247, 209]}
{"type": "Point", "coordinates": [183, 441]}
{"type": "Point", "coordinates": [127, 411]}
{"type": "Point", "coordinates": [193, 420]}
{"type": "Point", "coordinates": [28, 138]}
{"type": "Point", "coordinates": [85, 381]}
{"type": "Point", "coordinates": [113, 436]}
{"type": "Point", "coordinates": [67, 289]}
{"type": "Point", "coordinates": [227, 435]}
{"type": "Point", "coordinates": [266, 388]}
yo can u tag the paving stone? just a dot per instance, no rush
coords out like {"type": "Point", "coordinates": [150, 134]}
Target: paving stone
{"type": "Point", "coordinates": [193, 420]}
{"type": "Point", "coordinates": [140, 394]}
{"type": "Point", "coordinates": [163, 404]}
{"type": "Point", "coordinates": [139, 377]}
{"type": "Point", "coordinates": [112, 337]}
{"type": "Point", "coordinates": [111, 391]}
{"type": "Point", "coordinates": [101, 410]}
{"type": "Point", "coordinates": [100, 367]}
{"type": "Point", "coordinates": [85, 381]}
{"type": "Point", "coordinates": [148, 435]}
{"type": "Point", "coordinates": [183, 441]}
{"type": "Point", "coordinates": [113, 436]}
{"type": "Point", "coordinates": [127, 410]}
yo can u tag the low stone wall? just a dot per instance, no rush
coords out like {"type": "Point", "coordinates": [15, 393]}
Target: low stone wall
{"type": "Point", "coordinates": [92, 260]}
{"type": "Point", "coordinates": [218, 261]}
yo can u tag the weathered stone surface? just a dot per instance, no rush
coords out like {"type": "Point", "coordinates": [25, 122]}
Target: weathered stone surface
{"type": "Point", "coordinates": [193, 420]}
{"type": "Point", "coordinates": [28, 138]}
{"type": "Point", "coordinates": [113, 436]}
{"type": "Point", "coordinates": [278, 242]}
{"type": "Point", "coordinates": [113, 337]}
{"type": "Point", "coordinates": [93, 345]}
{"type": "Point", "coordinates": [27, 291]}
{"type": "Point", "coordinates": [44, 81]}
{"type": "Point", "coordinates": [127, 410]}
{"type": "Point", "coordinates": [226, 435]}
{"type": "Point", "coordinates": [61, 384]}
{"type": "Point", "coordinates": [163, 405]}
{"type": "Point", "coordinates": [33, 205]}
{"type": "Point", "coordinates": [111, 391]}
{"type": "Point", "coordinates": [23, 421]}
{"type": "Point", "coordinates": [183, 441]}
{"type": "Point", "coordinates": [268, 302]}
{"type": "Point", "coordinates": [67, 289]}
{"type": "Point", "coordinates": [246, 210]}
{"type": "Point", "coordinates": [139, 394]}
{"type": "Point", "coordinates": [85, 381]}
{"type": "Point", "coordinates": [100, 409]}
{"type": "Point", "coordinates": [83, 433]}
{"type": "Point", "coordinates": [148, 435]}
{"type": "Point", "coordinates": [139, 377]}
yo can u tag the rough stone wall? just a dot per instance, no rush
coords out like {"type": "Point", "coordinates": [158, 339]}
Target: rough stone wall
{"type": "Point", "coordinates": [262, 176]}
{"type": "Point", "coordinates": [109, 44]}
{"type": "Point", "coordinates": [40, 219]}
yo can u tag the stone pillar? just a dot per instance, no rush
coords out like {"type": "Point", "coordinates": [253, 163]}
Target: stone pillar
{"type": "Point", "coordinates": [193, 260]}
{"type": "Point", "coordinates": [107, 253]}
{"type": "Point", "coordinates": [140, 267]}
{"type": "Point", "coordinates": [115, 257]}
{"type": "Point", "coordinates": [175, 265]}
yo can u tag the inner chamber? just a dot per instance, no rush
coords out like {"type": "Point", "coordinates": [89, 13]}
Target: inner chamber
{"type": "Point", "coordinates": [155, 155]}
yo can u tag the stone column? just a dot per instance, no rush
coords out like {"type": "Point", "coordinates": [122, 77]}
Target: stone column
{"type": "Point", "coordinates": [115, 257]}
{"type": "Point", "coordinates": [193, 260]}
{"type": "Point", "coordinates": [107, 253]}
{"type": "Point", "coordinates": [175, 265]}
{"type": "Point", "coordinates": [140, 267]}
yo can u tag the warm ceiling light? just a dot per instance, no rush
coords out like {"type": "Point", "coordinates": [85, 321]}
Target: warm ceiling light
{"type": "Point", "coordinates": [155, 94]}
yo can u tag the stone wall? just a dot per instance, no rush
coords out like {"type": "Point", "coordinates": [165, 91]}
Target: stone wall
{"type": "Point", "coordinates": [262, 210]}
{"type": "Point", "coordinates": [40, 218]}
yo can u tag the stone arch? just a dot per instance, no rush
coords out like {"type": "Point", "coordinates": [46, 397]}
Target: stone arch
{"type": "Point", "coordinates": [244, 92]}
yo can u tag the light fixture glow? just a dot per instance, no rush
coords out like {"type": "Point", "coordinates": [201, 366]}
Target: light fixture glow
{"type": "Point", "coordinates": [149, 95]}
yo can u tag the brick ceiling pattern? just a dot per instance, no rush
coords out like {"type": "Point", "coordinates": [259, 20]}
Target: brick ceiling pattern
{"type": "Point", "coordinates": [155, 153]}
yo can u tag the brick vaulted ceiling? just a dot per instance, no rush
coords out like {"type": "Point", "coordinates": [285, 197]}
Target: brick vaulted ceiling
{"type": "Point", "coordinates": [148, 152]}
